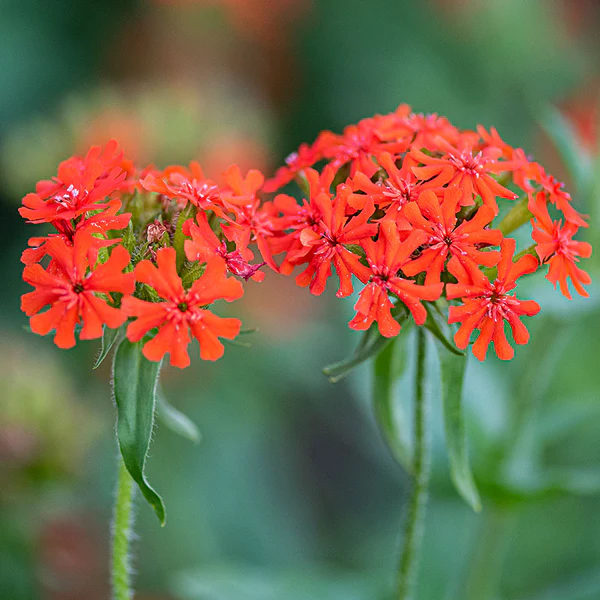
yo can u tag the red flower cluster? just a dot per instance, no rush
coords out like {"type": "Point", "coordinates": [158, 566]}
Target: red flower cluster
{"type": "Point", "coordinates": [405, 203]}
{"type": "Point", "coordinates": [89, 278]}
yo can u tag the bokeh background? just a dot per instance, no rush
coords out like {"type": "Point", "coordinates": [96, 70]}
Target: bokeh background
{"type": "Point", "coordinates": [291, 494]}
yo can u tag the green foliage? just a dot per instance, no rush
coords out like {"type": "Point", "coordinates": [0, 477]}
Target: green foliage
{"type": "Point", "coordinates": [388, 367]}
{"type": "Point", "coordinates": [175, 420]}
{"type": "Point", "coordinates": [134, 385]}
{"type": "Point", "coordinates": [189, 212]}
{"type": "Point", "coordinates": [110, 337]}
{"type": "Point", "coordinates": [452, 369]}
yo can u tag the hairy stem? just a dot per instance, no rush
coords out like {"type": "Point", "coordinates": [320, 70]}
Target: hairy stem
{"type": "Point", "coordinates": [122, 533]}
{"type": "Point", "coordinates": [413, 533]}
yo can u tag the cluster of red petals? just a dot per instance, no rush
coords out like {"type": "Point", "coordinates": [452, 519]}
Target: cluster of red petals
{"type": "Point", "coordinates": [406, 204]}
{"type": "Point", "coordinates": [182, 311]}
{"type": "Point", "coordinates": [112, 257]}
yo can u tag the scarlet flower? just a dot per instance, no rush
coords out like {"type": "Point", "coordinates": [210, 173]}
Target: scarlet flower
{"type": "Point", "coordinates": [556, 246]}
{"type": "Point", "coordinates": [445, 237]}
{"type": "Point", "coordinates": [241, 191]}
{"type": "Point", "coordinates": [486, 304]}
{"type": "Point", "coordinates": [558, 196]}
{"type": "Point", "coordinates": [305, 157]}
{"type": "Point", "coordinates": [358, 145]}
{"type": "Point", "coordinates": [70, 286]}
{"type": "Point", "coordinates": [392, 193]}
{"type": "Point", "coordinates": [469, 170]}
{"type": "Point", "coordinates": [205, 245]}
{"type": "Point", "coordinates": [187, 185]}
{"type": "Point", "coordinates": [100, 223]}
{"type": "Point", "coordinates": [324, 244]}
{"type": "Point", "coordinates": [421, 130]}
{"type": "Point", "coordinates": [253, 220]}
{"type": "Point", "coordinates": [79, 187]}
{"type": "Point", "coordinates": [182, 311]}
{"type": "Point", "coordinates": [386, 257]}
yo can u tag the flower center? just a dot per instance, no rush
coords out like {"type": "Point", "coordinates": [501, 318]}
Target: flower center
{"type": "Point", "coordinates": [182, 306]}
{"type": "Point", "coordinates": [78, 288]}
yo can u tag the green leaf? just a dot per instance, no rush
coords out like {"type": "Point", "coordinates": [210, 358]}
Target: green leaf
{"type": "Point", "coordinates": [452, 369]}
{"type": "Point", "coordinates": [188, 212]}
{"type": "Point", "coordinates": [190, 272]}
{"type": "Point", "coordinates": [109, 339]}
{"type": "Point", "coordinates": [175, 420]}
{"type": "Point", "coordinates": [134, 384]}
{"type": "Point", "coordinates": [562, 135]}
{"type": "Point", "coordinates": [437, 325]}
{"type": "Point", "coordinates": [388, 367]}
{"type": "Point", "coordinates": [371, 344]}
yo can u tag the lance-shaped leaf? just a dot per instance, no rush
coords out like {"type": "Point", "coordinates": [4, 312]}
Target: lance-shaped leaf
{"type": "Point", "coordinates": [452, 369]}
{"type": "Point", "coordinates": [109, 338]}
{"type": "Point", "coordinates": [134, 384]}
{"type": "Point", "coordinates": [370, 345]}
{"type": "Point", "coordinates": [175, 420]}
{"type": "Point", "coordinates": [388, 367]}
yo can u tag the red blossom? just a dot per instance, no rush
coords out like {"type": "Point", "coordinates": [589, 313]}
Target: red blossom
{"type": "Point", "coordinates": [100, 223]}
{"type": "Point", "coordinates": [205, 245]}
{"type": "Point", "coordinates": [79, 187]}
{"type": "Point", "coordinates": [488, 304]}
{"type": "Point", "coordinates": [386, 257]}
{"type": "Point", "coordinates": [325, 244]}
{"type": "Point", "coordinates": [556, 246]}
{"type": "Point", "coordinates": [305, 157]}
{"type": "Point", "coordinates": [358, 145]}
{"type": "Point", "coordinates": [446, 237]}
{"type": "Point", "coordinates": [462, 166]}
{"type": "Point", "coordinates": [71, 287]}
{"type": "Point", "coordinates": [186, 185]}
{"type": "Point", "coordinates": [182, 311]}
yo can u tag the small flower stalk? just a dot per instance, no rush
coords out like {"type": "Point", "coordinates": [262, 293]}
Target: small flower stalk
{"type": "Point", "coordinates": [407, 210]}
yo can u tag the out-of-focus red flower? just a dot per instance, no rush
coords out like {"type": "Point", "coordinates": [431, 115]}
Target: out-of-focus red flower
{"type": "Point", "coordinates": [75, 287]}
{"type": "Point", "coordinates": [385, 258]}
{"type": "Point", "coordinates": [487, 305]}
{"type": "Point", "coordinates": [182, 310]}
{"type": "Point", "coordinates": [556, 246]}
{"type": "Point", "coordinates": [446, 237]}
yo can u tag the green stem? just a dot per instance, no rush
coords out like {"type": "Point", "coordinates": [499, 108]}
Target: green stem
{"type": "Point", "coordinates": [413, 533]}
{"type": "Point", "coordinates": [518, 215]}
{"type": "Point", "coordinates": [122, 533]}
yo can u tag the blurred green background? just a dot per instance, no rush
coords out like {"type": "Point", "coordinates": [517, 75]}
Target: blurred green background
{"type": "Point", "coordinates": [291, 494]}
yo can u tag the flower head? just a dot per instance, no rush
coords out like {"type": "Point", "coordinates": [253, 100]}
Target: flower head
{"type": "Point", "coordinates": [76, 290]}
{"type": "Point", "coordinates": [386, 257]}
{"type": "Point", "coordinates": [79, 187]}
{"type": "Point", "coordinates": [556, 246]}
{"type": "Point", "coordinates": [448, 238]}
{"type": "Point", "coordinates": [488, 304]}
{"type": "Point", "coordinates": [182, 311]}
